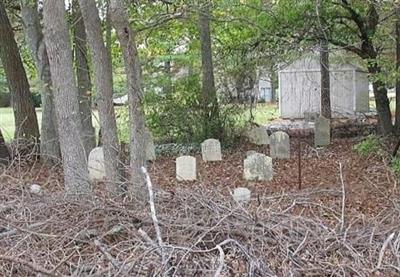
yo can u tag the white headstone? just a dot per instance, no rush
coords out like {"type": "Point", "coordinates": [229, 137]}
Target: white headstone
{"type": "Point", "coordinates": [258, 136]}
{"type": "Point", "coordinates": [211, 150]}
{"type": "Point", "coordinates": [96, 164]}
{"type": "Point", "coordinates": [186, 168]}
{"type": "Point", "coordinates": [322, 131]}
{"type": "Point", "coordinates": [280, 145]}
{"type": "Point", "coordinates": [258, 167]}
{"type": "Point", "coordinates": [242, 195]}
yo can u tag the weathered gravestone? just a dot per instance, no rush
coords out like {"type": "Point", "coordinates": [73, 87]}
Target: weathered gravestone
{"type": "Point", "coordinates": [186, 168]}
{"type": "Point", "coordinates": [211, 150]}
{"type": "Point", "coordinates": [242, 195]}
{"type": "Point", "coordinates": [96, 164]}
{"type": "Point", "coordinates": [258, 167]}
{"type": "Point", "coordinates": [280, 145]}
{"type": "Point", "coordinates": [322, 132]}
{"type": "Point", "coordinates": [258, 136]}
{"type": "Point", "coordinates": [150, 148]}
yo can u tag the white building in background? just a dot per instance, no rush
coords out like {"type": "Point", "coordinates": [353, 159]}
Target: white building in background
{"type": "Point", "coordinates": [299, 89]}
{"type": "Point", "coordinates": [263, 89]}
{"type": "Point", "coordinates": [265, 92]}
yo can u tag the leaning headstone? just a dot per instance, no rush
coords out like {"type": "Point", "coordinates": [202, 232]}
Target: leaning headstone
{"type": "Point", "coordinates": [258, 167]}
{"type": "Point", "coordinates": [258, 136]}
{"type": "Point", "coordinates": [150, 148]}
{"type": "Point", "coordinates": [280, 145]}
{"type": "Point", "coordinates": [186, 168]}
{"type": "Point", "coordinates": [211, 150]}
{"type": "Point", "coordinates": [322, 132]}
{"type": "Point", "coordinates": [242, 195]}
{"type": "Point", "coordinates": [96, 164]}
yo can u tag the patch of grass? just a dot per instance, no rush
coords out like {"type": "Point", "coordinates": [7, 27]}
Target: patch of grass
{"type": "Point", "coordinates": [263, 113]}
{"type": "Point", "coordinates": [395, 165]}
{"type": "Point", "coordinates": [369, 145]}
{"type": "Point", "coordinates": [7, 125]}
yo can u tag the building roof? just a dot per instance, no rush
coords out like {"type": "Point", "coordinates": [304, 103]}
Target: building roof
{"type": "Point", "coordinates": [310, 63]}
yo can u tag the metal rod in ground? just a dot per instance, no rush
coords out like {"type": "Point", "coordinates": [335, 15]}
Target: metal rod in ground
{"type": "Point", "coordinates": [299, 163]}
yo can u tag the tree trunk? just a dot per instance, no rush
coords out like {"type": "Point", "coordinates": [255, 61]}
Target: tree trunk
{"type": "Point", "coordinates": [76, 176]}
{"type": "Point", "coordinates": [103, 82]}
{"type": "Point", "coordinates": [397, 115]}
{"type": "Point", "coordinates": [167, 87]}
{"type": "Point", "coordinates": [381, 101]}
{"type": "Point", "coordinates": [108, 32]}
{"type": "Point", "coordinates": [126, 37]}
{"type": "Point", "coordinates": [325, 82]}
{"type": "Point", "coordinates": [49, 143]}
{"type": "Point", "coordinates": [4, 153]}
{"type": "Point", "coordinates": [212, 126]}
{"type": "Point", "coordinates": [26, 125]}
{"type": "Point", "coordinates": [83, 78]}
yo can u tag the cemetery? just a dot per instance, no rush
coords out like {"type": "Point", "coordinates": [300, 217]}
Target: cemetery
{"type": "Point", "coordinates": [199, 138]}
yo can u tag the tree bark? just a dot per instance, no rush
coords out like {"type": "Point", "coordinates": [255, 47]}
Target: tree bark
{"type": "Point", "coordinates": [126, 37]}
{"type": "Point", "coordinates": [83, 79]}
{"type": "Point", "coordinates": [367, 26]}
{"type": "Point", "coordinates": [4, 153]}
{"type": "Point", "coordinates": [56, 34]}
{"type": "Point", "coordinates": [49, 142]}
{"type": "Point", "coordinates": [103, 82]}
{"type": "Point", "coordinates": [108, 32]}
{"type": "Point", "coordinates": [212, 127]}
{"type": "Point", "coordinates": [26, 125]}
{"type": "Point", "coordinates": [381, 101]}
{"type": "Point", "coordinates": [325, 81]}
{"type": "Point", "coordinates": [167, 87]}
{"type": "Point", "coordinates": [397, 36]}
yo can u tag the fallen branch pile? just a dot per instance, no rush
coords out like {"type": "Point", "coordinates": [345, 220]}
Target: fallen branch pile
{"type": "Point", "coordinates": [196, 232]}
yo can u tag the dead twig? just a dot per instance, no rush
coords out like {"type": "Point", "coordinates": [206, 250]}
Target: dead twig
{"type": "Point", "coordinates": [154, 215]}
{"type": "Point", "coordinates": [30, 265]}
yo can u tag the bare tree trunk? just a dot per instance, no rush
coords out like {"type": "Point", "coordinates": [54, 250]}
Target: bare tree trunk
{"type": "Point", "coordinates": [325, 81]}
{"type": "Point", "coordinates": [83, 78]}
{"type": "Point", "coordinates": [76, 176]}
{"type": "Point", "coordinates": [108, 32]}
{"type": "Point", "coordinates": [212, 126]}
{"type": "Point", "coordinates": [126, 37]}
{"type": "Point", "coordinates": [26, 125]}
{"type": "Point", "coordinates": [49, 142]}
{"type": "Point", "coordinates": [397, 114]}
{"type": "Point", "coordinates": [167, 87]}
{"type": "Point", "coordinates": [381, 101]}
{"type": "Point", "coordinates": [103, 82]}
{"type": "Point", "coordinates": [4, 153]}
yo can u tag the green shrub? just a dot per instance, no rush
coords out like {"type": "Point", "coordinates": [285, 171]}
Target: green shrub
{"type": "Point", "coordinates": [122, 116]}
{"type": "Point", "coordinates": [395, 165]}
{"type": "Point", "coordinates": [5, 99]}
{"type": "Point", "coordinates": [177, 116]}
{"type": "Point", "coordinates": [369, 145]}
{"type": "Point", "coordinates": [37, 99]}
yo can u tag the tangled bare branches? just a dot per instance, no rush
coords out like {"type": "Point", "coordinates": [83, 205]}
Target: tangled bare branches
{"type": "Point", "coordinates": [195, 232]}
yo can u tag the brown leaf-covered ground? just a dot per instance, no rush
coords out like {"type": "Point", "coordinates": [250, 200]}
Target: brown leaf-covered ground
{"type": "Point", "coordinates": [368, 180]}
{"type": "Point", "coordinates": [283, 231]}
